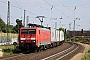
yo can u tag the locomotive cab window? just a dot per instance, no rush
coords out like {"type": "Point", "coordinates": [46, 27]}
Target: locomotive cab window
{"type": "Point", "coordinates": [28, 32]}
{"type": "Point", "coordinates": [24, 32]}
{"type": "Point", "coordinates": [32, 31]}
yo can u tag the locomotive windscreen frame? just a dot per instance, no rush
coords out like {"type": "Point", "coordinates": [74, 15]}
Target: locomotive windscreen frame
{"type": "Point", "coordinates": [28, 31]}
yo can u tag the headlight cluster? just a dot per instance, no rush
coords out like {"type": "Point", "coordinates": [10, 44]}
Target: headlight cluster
{"type": "Point", "coordinates": [34, 41]}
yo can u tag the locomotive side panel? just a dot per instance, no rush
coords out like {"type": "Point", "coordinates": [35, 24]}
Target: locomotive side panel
{"type": "Point", "coordinates": [44, 37]}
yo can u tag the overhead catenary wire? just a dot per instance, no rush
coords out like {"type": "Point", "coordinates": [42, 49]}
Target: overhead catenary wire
{"type": "Point", "coordinates": [17, 3]}
{"type": "Point", "coordinates": [40, 2]}
{"type": "Point", "coordinates": [19, 8]}
{"type": "Point", "coordinates": [57, 9]}
{"type": "Point", "coordinates": [36, 4]}
{"type": "Point", "coordinates": [83, 4]}
{"type": "Point", "coordinates": [31, 12]}
{"type": "Point", "coordinates": [64, 5]}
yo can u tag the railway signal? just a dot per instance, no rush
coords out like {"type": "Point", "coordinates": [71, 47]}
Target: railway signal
{"type": "Point", "coordinates": [19, 23]}
{"type": "Point", "coordinates": [82, 31]}
{"type": "Point", "coordinates": [65, 31]}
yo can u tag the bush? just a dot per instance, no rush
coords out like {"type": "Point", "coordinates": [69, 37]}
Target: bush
{"type": "Point", "coordinates": [8, 51]}
{"type": "Point", "coordinates": [88, 51]}
{"type": "Point", "coordinates": [82, 40]}
{"type": "Point", "coordinates": [87, 56]}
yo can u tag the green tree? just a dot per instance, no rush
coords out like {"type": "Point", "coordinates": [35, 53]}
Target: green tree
{"type": "Point", "coordinates": [65, 31]}
{"type": "Point", "coordinates": [11, 28]}
{"type": "Point", "coordinates": [62, 29]}
{"type": "Point", "coordinates": [2, 25]}
{"type": "Point", "coordinates": [4, 29]}
{"type": "Point", "coordinates": [15, 29]}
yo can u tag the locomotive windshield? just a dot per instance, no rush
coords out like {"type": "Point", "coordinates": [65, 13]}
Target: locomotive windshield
{"type": "Point", "coordinates": [28, 32]}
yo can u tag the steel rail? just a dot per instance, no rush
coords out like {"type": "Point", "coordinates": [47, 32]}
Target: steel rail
{"type": "Point", "coordinates": [60, 53]}
{"type": "Point", "coordinates": [68, 53]}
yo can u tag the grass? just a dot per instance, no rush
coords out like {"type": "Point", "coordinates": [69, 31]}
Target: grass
{"type": "Point", "coordinates": [3, 47]}
{"type": "Point", "coordinates": [7, 50]}
{"type": "Point", "coordinates": [7, 54]}
{"type": "Point", "coordinates": [86, 57]}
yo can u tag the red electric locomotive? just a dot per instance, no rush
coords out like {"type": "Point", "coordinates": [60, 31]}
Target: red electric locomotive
{"type": "Point", "coordinates": [30, 38]}
{"type": "Point", "coordinates": [37, 37]}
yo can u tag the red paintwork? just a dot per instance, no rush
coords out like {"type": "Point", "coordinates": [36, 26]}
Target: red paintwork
{"type": "Point", "coordinates": [44, 36]}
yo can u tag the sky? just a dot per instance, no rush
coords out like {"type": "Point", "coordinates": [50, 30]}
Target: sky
{"type": "Point", "coordinates": [53, 10]}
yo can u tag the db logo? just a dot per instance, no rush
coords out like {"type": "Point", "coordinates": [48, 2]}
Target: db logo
{"type": "Point", "coordinates": [52, 34]}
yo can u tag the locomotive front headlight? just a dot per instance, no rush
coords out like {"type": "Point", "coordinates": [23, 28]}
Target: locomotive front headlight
{"type": "Point", "coordinates": [33, 41]}
{"type": "Point", "coordinates": [22, 41]}
{"type": "Point", "coordinates": [22, 38]}
{"type": "Point", "coordinates": [33, 38]}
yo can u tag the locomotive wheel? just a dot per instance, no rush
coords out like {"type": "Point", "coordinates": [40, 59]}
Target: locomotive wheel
{"type": "Point", "coordinates": [38, 49]}
{"type": "Point", "coordinates": [51, 46]}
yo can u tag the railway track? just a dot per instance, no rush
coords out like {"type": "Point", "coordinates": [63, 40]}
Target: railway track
{"type": "Point", "coordinates": [63, 52]}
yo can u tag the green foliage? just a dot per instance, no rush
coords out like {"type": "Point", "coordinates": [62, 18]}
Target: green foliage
{"type": "Point", "coordinates": [4, 30]}
{"type": "Point", "coordinates": [82, 40]}
{"type": "Point", "coordinates": [16, 28]}
{"type": "Point", "coordinates": [11, 29]}
{"type": "Point", "coordinates": [72, 39]}
{"type": "Point", "coordinates": [7, 50]}
{"type": "Point", "coordinates": [88, 51]}
{"type": "Point", "coordinates": [64, 30]}
{"type": "Point", "coordinates": [2, 24]}
{"type": "Point", "coordinates": [87, 56]}
{"type": "Point", "coordinates": [61, 29]}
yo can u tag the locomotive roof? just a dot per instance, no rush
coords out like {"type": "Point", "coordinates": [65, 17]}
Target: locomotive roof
{"type": "Point", "coordinates": [36, 25]}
